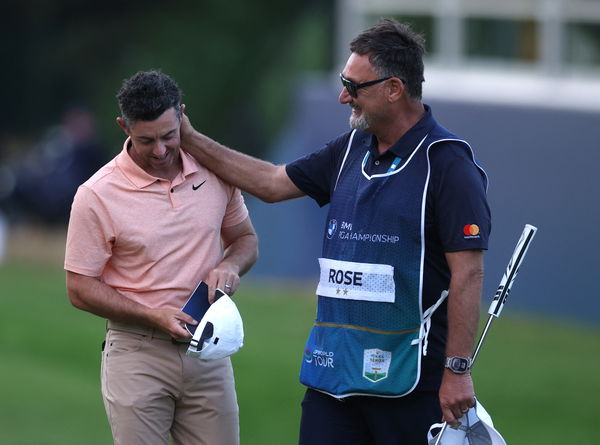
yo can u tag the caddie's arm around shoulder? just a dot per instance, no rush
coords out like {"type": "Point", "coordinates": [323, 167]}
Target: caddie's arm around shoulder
{"type": "Point", "coordinates": [458, 365]}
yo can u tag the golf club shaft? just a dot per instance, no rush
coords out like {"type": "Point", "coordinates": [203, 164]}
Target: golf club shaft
{"type": "Point", "coordinates": [487, 327]}
{"type": "Point", "coordinates": [501, 294]}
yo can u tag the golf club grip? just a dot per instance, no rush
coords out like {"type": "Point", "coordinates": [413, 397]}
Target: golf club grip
{"type": "Point", "coordinates": [511, 270]}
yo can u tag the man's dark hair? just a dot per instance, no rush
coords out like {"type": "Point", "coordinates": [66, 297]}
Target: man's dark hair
{"type": "Point", "coordinates": [395, 50]}
{"type": "Point", "coordinates": [146, 95]}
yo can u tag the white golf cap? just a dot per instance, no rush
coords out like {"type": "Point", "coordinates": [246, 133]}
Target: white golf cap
{"type": "Point", "coordinates": [476, 428]}
{"type": "Point", "coordinates": [220, 333]}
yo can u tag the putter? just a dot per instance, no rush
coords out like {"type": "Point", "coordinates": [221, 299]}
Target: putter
{"type": "Point", "coordinates": [501, 294]}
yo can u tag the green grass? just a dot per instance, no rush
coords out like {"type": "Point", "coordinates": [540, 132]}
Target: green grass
{"type": "Point", "coordinates": [537, 377]}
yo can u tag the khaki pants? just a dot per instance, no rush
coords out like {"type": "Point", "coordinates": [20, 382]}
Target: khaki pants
{"type": "Point", "coordinates": [152, 390]}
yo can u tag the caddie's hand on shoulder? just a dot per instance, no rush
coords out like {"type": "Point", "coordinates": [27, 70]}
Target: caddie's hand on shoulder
{"type": "Point", "coordinates": [186, 130]}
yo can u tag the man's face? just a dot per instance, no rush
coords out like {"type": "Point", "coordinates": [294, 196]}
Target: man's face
{"type": "Point", "coordinates": [366, 106]}
{"type": "Point", "coordinates": [155, 144]}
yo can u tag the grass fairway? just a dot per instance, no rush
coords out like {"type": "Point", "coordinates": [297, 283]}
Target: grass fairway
{"type": "Point", "coordinates": [537, 378]}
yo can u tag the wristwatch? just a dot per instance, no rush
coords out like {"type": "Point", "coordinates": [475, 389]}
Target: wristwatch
{"type": "Point", "coordinates": [458, 365]}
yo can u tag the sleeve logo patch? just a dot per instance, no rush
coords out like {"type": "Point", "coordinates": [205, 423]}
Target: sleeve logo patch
{"type": "Point", "coordinates": [471, 231]}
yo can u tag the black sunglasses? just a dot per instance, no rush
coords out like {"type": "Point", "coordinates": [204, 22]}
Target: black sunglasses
{"type": "Point", "coordinates": [353, 87]}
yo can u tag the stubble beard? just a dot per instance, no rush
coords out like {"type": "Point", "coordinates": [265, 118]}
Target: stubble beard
{"type": "Point", "coordinates": [359, 122]}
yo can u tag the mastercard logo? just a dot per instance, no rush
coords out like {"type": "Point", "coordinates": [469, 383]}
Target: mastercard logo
{"type": "Point", "coordinates": [471, 229]}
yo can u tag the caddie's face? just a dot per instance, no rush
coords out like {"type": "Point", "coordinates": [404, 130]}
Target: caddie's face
{"type": "Point", "coordinates": [366, 107]}
{"type": "Point", "coordinates": [155, 144]}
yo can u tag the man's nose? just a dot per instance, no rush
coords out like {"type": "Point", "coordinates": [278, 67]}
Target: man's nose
{"type": "Point", "coordinates": [159, 149]}
{"type": "Point", "coordinates": [345, 97]}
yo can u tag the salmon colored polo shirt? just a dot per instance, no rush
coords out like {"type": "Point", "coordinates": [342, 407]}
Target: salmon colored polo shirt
{"type": "Point", "coordinates": [150, 239]}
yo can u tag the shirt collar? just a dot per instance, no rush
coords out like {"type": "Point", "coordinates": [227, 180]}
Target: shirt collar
{"type": "Point", "coordinates": [404, 146]}
{"type": "Point", "coordinates": [141, 178]}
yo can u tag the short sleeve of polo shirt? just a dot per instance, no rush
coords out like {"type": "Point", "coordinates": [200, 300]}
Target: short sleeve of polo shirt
{"type": "Point", "coordinates": [236, 211]}
{"type": "Point", "coordinates": [90, 235]}
{"type": "Point", "coordinates": [316, 172]}
{"type": "Point", "coordinates": [461, 213]}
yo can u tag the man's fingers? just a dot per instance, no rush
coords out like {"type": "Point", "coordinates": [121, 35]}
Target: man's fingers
{"type": "Point", "coordinates": [227, 282]}
{"type": "Point", "coordinates": [185, 318]}
{"type": "Point", "coordinates": [176, 329]}
{"type": "Point", "coordinates": [449, 417]}
{"type": "Point", "coordinates": [451, 414]}
{"type": "Point", "coordinates": [231, 286]}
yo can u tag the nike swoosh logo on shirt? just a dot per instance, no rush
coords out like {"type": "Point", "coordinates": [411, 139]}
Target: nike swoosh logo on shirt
{"type": "Point", "coordinates": [196, 187]}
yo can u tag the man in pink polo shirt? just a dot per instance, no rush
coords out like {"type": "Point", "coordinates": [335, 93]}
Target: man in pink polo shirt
{"type": "Point", "coordinates": [144, 230]}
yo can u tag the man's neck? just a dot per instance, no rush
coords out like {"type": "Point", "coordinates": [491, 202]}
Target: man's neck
{"type": "Point", "coordinates": [399, 126]}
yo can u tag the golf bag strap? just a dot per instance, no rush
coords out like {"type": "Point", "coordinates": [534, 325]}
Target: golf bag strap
{"type": "Point", "coordinates": [426, 323]}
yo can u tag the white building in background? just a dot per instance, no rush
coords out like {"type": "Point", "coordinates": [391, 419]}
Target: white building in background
{"type": "Point", "coordinates": [529, 52]}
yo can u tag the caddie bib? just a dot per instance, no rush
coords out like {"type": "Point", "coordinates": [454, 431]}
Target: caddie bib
{"type": "Point", "coordinates": [371, 328]}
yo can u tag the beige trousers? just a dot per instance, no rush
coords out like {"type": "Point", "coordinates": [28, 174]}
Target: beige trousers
{"type": "Point", "coordinates": [153, 391]}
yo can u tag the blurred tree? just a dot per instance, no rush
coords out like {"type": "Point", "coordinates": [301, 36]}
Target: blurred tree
{"type": "Point", "coordinates": [235, 61]}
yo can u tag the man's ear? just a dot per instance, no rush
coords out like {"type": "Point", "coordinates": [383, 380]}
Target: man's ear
{"type": "Point", "coordinates": [122, 124]}
{"type": "Point", "coordinates": [396, 89]}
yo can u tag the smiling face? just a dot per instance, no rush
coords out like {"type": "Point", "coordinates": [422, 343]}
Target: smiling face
{"type": "Point", "coordinates": [367, 106]}
{"type": "Point", "coordinates": [155, 144]}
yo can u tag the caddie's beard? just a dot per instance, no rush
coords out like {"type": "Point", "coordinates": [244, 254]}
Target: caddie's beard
{"type": "Point", "coordinates": [359, 122]}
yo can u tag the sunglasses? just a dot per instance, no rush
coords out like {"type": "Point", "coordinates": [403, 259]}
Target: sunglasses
{"type": "Point", "coordinates": [353, 87]}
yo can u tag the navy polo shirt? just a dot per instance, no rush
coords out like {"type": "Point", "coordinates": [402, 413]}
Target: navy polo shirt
{"type": "Point", "coordinates": [455, 202]}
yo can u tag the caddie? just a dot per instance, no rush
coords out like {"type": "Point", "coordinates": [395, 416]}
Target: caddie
{"type": "Point", "coordinates": [402, 259]}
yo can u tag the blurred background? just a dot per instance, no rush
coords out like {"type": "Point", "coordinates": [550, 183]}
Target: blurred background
{"type": "Point", "coordinates": [519, 79]}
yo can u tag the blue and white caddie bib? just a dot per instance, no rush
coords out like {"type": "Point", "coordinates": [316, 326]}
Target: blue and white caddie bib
{"type": "Point", "coordinates": [371, 328]}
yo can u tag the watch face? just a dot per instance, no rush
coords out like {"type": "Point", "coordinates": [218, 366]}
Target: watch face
{"type": "Point", "coordinates": [459, 364]}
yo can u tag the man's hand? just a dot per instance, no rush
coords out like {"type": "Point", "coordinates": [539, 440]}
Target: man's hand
{"type": "Point", "coordinates": [172, 322]}
{"type": "Point", "coordinates": [456, 395]}
{"type": "Point", "coordinates": [186, 130]}
{"type": "Point", "coordinates": [225, 277]}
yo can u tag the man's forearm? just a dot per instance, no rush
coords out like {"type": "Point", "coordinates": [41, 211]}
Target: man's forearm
{"type": "Point", "coordinates": [463, 303]}
{"type": "Point", "coordinates": [91, 295]}
{"type": "Point", "coordinates": [243, 171]}
{"type": "Point", "coordinates": [262, 179]}
{"type": "Point", "coordinates": [243, 253]}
